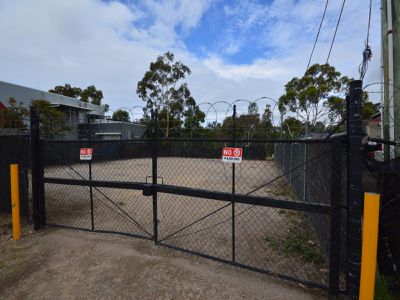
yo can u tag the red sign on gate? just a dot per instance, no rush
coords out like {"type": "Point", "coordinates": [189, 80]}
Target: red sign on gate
{"type": "Point", "coordinates": [85, 153]}
{"type": "Point", "coordinates": [232, 155]}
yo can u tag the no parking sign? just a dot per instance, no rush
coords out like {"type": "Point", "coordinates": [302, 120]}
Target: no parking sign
{"type": "Point", "coordinates": [232, 155]}
{"type": "Point", "coordinates": [85, 153]}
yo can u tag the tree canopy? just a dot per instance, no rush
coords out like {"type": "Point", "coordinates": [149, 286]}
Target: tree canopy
{"type": "Point", "coordinates": [318, 99]}
{"type": "Point", "coordinates": [250, 125]}
{"type": "Point", "coordinates": [90, 94]}
{"type": "Point", "coordinates": [52, 121]}
{"type": "Point", "coordinates": [121, 115]}
{"type": "Point", "coordinates": [309, 97]}
{"type": "Point", "coordinates": [162, 87]}
{"type": "Point", "coordinates": [67, 90]}
{"type": "Point", "coordinates": [14, 115]}
{"type": "Point", "coordinates": [292, 127]}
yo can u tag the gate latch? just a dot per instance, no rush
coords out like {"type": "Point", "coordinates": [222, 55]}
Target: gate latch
{"type": "Point", "coordinates": [148, 189]}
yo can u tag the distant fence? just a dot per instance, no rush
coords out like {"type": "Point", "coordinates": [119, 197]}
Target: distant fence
{"type": "Point", "coordinates": [14, 149]}
{"type": "Point", "coordinates": [141, 148]}
{"type": "Point", "coordinates": [307, 168]}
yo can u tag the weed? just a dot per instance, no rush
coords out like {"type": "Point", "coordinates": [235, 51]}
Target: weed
{"type": "Point", "coordinates": [286, 191]}
{"type": "Point", "coordinates": [298, 240]}
{"type": "Point", "coordinates": [273, 242]}
{"type": "Point", "coordinates": [383, 289]}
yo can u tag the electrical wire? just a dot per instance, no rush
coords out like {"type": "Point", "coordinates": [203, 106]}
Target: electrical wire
{"type": "Point", "coordinates": [369, 20]}
{"type": "Point", "coordinates": [367, 53]}
{"type": "Point", "coordinates": [334, 35]}
{"type": "Point", "coordinates": [316, 38]}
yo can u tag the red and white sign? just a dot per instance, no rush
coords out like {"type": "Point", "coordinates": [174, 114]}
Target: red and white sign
{"type": "Point", "coordinates": [232, 155]}
{"type": "Point", "coordinates": [86, 153]}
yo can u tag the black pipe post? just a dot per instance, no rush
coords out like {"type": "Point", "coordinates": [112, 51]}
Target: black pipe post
{"type": "Point", "coordinates": [335, 216]}
{"type": "Point", "coordinates": [354, 187]}
{"type": "Point", "coordinates": [34, 131]}
{"type": "Point", "coordinates": [90, 174]}
{"type": "Point", "coordinates": [42, 204]}
{"type": "Point", "coordinates": [154, 117]}
{"type": "Point", "coordinates": [233, 188]}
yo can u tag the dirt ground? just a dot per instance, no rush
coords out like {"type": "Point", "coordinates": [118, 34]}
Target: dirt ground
{"type": "Point", "coordinates": [128, 211]}
{"type": "Point", "coordinates": [66, 264]}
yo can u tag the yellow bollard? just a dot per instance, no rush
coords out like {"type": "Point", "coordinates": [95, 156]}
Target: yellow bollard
{"type": "Point", "coordinates": [369, 245]}
{"type": "Point", "coordinates": [16, 221]}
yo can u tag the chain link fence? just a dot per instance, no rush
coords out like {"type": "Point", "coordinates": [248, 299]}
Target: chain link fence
{"type": "Point", "coordinates": [383, 177]}
{"type": "Point", "coordinates": [314, 171]}
{"type": "Point", "coordinates": [14, 149]}
{"type": "Point", "coordinates": [243, 213]}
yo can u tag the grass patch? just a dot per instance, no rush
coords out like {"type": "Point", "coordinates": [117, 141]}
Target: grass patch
{"type": "Point", "coordinates": [285, 191]}
{"type": "Point", "coordinates": [272, 242]}
{"type": "Point", "coordinates": [383, 289]}
{"type": "Point", "coordinates": [298, 241]}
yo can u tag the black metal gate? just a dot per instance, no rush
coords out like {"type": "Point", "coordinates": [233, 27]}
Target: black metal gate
{"type": "Point", "coordinates": [292, 208]}
{"type": "Point", "coordinates": [277, 212]}
{"type": "Point", "coordinates": [103, 194]}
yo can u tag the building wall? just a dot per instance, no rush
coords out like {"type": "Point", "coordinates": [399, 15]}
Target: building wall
{"type": "Point", "coordinates": [76, 112]}
{"type": "Point", "coordinates": [111, 130]}
{"type": "Point", "coordinates": [374, 131]}
{"type": "Point", "coordinates": [26, 95]}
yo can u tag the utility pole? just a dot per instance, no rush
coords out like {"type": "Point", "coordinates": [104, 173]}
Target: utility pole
{"type": "Point", "coordinates": [390, 12]}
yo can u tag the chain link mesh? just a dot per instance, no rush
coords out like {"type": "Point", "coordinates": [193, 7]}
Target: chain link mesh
{"type": "Point", "coordinates": [286, 242]}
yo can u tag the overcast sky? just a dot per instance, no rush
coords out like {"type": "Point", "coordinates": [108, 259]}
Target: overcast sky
{"type": "Point", "coordinates": [236, 49]}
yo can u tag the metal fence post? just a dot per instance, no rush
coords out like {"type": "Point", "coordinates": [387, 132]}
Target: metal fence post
{"type": "Point", "coordinates": [154, 117]}
{"type": "Point", "coordinates": [305, 174]}
{"type": "Point", "coordinates": [34, 126]}
{"type": "Point", "coordinates": [37, 183]}
{"type": "Point", "coordinates": [335, 216]}
{"type": "Point", "coordinates": [233, 187]}
{"type": "Point", "coordinates": [90, 173]}
{"type": "Point", "coordinates": [354, 188]}
{"type": "Point", "coordinates": [42, 204]}
{"type": "Point", "coordinates": [290, 165]}
{"type": "Point", "coordinates": [284, 157]}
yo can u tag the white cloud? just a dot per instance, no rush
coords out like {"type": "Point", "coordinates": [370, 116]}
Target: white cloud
{"type": "Point", "coordinates": [110, 45]}
{"type": "Point", "coordinates": [259, 69]}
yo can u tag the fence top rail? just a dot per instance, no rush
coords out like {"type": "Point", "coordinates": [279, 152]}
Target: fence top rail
{"type": "Point", "coordinates": [202, 140]}
{"type": "Point", "coordinates": [382, 141]}
{"type": "Point", "coordinates": [270, 141]}
{"type": "Point", "coordinates": [96, 141]}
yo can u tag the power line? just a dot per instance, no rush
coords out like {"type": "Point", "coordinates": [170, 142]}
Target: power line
{"type": "Point", "coordinates": [337, 26]}
{"type": "Point", "coordinates": [369, 20]}
{"type": "Point", "coordinates": [316, 38]}
{"type": "Point", "coordinates": [367, 53]}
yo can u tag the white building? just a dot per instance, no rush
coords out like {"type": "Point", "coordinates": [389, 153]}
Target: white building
{"type": "Point", "coordinates": [76, 112]}
{"type": "Point", "coordinates": [76, 115]}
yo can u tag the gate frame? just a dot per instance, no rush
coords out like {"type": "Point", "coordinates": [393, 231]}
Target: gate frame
{"type": "Point", "coordinates": [354, 194]}
{"type": "Point", "coordinates": [38, 195]}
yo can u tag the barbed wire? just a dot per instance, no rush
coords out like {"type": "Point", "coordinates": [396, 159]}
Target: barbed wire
{"type": "Point", "coordinates": [215, 112]}
{"type": "Point", "coordinates": [382, 92]}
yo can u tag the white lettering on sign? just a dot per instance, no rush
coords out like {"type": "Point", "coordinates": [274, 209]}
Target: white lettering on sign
{"type": "Point", "coordinates": [86, 153]}
{"type": "Point", "coordinates": [232, 155]}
